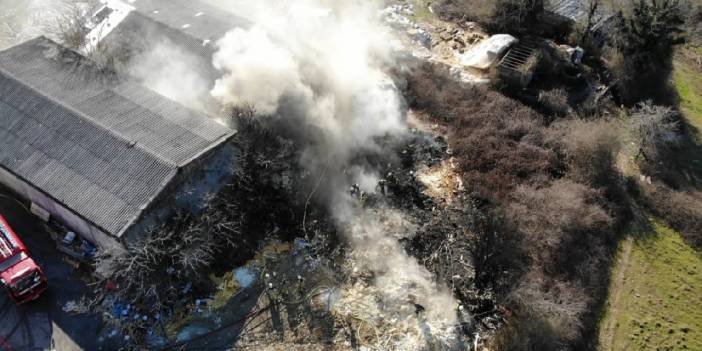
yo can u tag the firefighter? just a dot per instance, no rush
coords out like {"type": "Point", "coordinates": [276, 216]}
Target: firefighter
{"type": "Point", "coordinates": [355, 190]}
{"type": "Point", "coordinates": [391, 177]}
{"type": "Point", "coordinates": [382, 185]}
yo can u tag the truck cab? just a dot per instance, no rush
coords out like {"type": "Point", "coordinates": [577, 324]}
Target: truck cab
{"type": "Point", "coordinates": [22, 277]}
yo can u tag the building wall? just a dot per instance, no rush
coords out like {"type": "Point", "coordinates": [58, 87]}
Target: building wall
{"type": "Point", "coordinates": [193, 183]}
{"type": "Point", "coordinates": [58, 212]}
{"type": "Point", "coordinates": [203, 176]}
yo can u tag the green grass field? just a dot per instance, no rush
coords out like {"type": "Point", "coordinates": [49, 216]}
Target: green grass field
{"type": "Point", "coordinates": [687, 79]}
{"type": "Point", "coordinates": [655, 298]}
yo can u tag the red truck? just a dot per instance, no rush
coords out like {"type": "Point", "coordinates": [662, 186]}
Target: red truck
{"type": "Point", "coordinates": [22, 277]}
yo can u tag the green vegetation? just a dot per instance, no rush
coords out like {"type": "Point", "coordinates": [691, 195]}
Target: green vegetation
{"type": "Point", "coordinates": [687, 79]}
{"type": "Point", "coordinates": [656, 294]}
{"type": "Point", "coordinates": [688, 82]}
{"type": "Point", "coordinates": [421, 11]}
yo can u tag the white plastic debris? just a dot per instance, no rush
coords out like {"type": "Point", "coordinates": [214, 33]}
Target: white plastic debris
{"type": "Point", "coordinates": [73, 307]}
{"type": "Point", "coordinates": [423, 37]}
{"type": "Point", "coordinates": [483, 55]}
{"type": "Point", "coordinates": [68, 239]}
{"type": "Point", "coordinates": [395, 16]}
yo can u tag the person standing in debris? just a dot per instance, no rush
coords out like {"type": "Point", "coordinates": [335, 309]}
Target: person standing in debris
{"type": "Point", "coordinates": [390, 178]}
{"type": "Point", "coordinates": [362, 198]}
{"type": "Point", "coordinates": [271, 290]}
{"type": "Point", "coordinates": [418, 308]}
{"type": "Point", "coordinates": [381, 185]}
{"type": "Point", "coordinates": [355, 190]}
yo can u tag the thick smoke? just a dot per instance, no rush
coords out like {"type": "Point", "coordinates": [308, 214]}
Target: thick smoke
{"type": "Point", "coordinates": [326, 62]}
{"type": "Point", "coordinates": [321, 64]}
{"type": "Point", "coordinates": [173, 72]}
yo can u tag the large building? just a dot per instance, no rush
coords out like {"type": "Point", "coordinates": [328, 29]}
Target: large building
{"type": "Point", "coordinates": [163, 44]}
{"type": "Point", "coordinates": [105, 156]}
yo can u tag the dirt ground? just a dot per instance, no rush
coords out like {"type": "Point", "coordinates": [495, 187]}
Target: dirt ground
{"type": "Point", "coordinates": [42, 324]}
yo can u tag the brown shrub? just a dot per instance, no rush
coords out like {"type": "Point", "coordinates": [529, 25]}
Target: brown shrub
{"type": "Point", "coordinates": [555, 102]}
{"type": "Point", "coordinates": [565, 231]}
{"type": "Point", "coordinates": [548, 314]}
{"type": "Point", "coordinates": [472, 10]}
{"type": "Point", "coordinates": [590, 149]}
{"type": "Point", "coordinates": [553, 235]}
{"type": "Point", "coordinates": [527, 330]}
{"type": "Point", "coordinates": [499, 140]}
{"type": "Point", "coordinates": [501, 15]}
{"type": "Point", "coordinates": [554, 220]}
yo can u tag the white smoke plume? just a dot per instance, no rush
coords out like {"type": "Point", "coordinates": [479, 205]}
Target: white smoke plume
{"type": "Point", "coordinates": [173, 72]}
{"type": "Point", "coordinates": [324, 60]}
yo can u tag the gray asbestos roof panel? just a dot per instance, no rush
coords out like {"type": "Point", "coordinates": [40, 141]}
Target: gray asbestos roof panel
{"type": "Point", "coordinates": [577, 10]}
{"type": "Point", "coordinates": [199, 20]}
{"type": "Point", "coordinates": [102, 147]}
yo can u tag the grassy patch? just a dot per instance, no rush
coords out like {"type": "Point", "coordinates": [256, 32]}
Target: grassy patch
{"type": "Point", "coordinates": [421, 11]}
{"type": "Point", "coordinates": [687, 78]}
{"type": "Point", "coordinates": [688, 82]}
{"type": "Point", "coordinates": [657, 303]}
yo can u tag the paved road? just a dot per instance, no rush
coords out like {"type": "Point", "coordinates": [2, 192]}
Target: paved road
{"type": "Point", "coordinates": [42, 324]}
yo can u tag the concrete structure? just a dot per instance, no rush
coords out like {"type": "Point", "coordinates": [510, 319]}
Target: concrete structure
{"type": "Point", "coordinates": [102, 155]}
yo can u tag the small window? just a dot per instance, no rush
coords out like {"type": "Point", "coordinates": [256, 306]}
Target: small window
{"type": "Point", "coordinates": [17, 258]}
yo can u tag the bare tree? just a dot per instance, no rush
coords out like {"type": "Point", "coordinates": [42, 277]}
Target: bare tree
{"type": "Point", "coordinates": [592, 18]}
{"type": "Point", "coordinates": [517, 15]}
{"type": "Point", "coordinates": [72, 25]}
{"type": "Point", "coordinates": [656, 129]}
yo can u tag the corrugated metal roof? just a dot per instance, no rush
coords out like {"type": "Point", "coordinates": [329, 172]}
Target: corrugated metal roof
{"type": "Point", "coordinates": [189, 25]}
{"type": "Point", "coordinates": [138, 34]}
{"type": "Point", "coordinates": [576, 10]}
{"type": "Point", "coordinates": [105, 148]}
{"type": "Point", "coordinates": [195, 18]}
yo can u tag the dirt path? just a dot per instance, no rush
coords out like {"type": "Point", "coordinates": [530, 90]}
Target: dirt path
{"type": "Point", "coordinates": [621, 266]}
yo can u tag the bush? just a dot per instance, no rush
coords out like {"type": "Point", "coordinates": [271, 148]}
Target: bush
{"type": "Point", "coordinates": [555, 102]}
{"type": "Point", "coordinates": [528, 330]}
{"type": "Point", "coordinates": [566, 212]}
{"type": "Point", "coordinates": [548, 315]}
{"type": "Point", "coordinates": [657, 131]}
{"type": "Point", "coordinates": [590, 149]}
{"type": "Point", "coordinates": [516, 15]}
{"type": "Point", "coordinates": [472, 10]}
{"type": "Point", "coordinates": [548, 242]}
{"type": "Point", "coordinates": [513, 16]}
{"type": "Point", "coordinates": [565, 230]}
{"type": "Point", "coordinates": [499, 140]}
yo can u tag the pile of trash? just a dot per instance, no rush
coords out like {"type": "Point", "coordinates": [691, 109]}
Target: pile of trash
{"type": "Point", "coordinates": [398, 18]}
{"type": "Point", "coordinates": [483, 55]}
{"type": "Point", "coordinates": [466, 48]}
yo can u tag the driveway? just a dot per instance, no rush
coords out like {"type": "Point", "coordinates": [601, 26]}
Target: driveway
{"type": "Point", "coordinates": [42, 324]}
